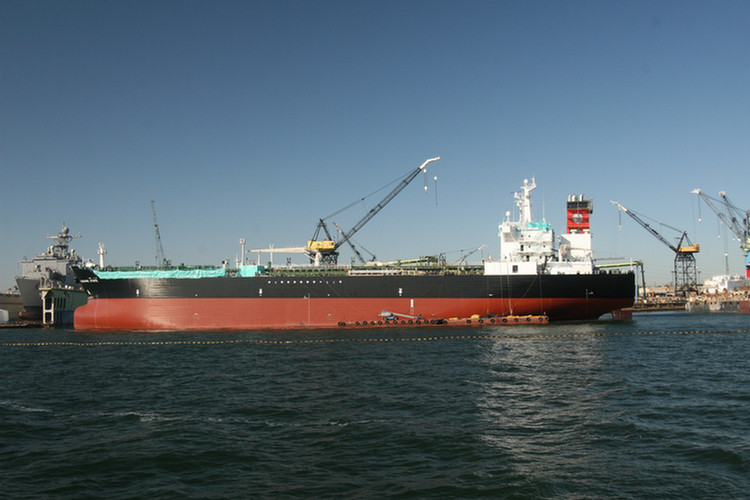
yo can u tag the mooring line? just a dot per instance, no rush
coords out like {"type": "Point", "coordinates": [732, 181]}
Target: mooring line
{"type": "Point", "coordinates": [345, 339]}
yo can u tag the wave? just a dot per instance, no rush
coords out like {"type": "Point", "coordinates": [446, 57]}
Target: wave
{"type": "Point", "coordinates": [16, 406]}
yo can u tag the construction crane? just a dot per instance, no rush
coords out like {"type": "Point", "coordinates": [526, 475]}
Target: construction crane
{"type": "Point", "coordinates": [468, 254]}
{"type": "Point", "coordinates": [161, 261]}
{"type": "Point", "coordinates": [353, 247]}
{"type": "Point", "coordinates": [736, 219]}
{"type": "Point", "coordinates": [326, 251]}
{"type": "Point", "coordinates": [685, 271]}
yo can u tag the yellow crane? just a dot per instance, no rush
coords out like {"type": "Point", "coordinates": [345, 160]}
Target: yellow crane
{"type": "Point", "coordinates": [685, 271]}
{"type": "Point", "coordinates": [325, 251]}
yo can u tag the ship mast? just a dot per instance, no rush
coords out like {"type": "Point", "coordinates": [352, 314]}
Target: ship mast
{"type": "Point", "coordinates": [523, 200]}
{"type": "Point", "coordinates": [62, 242]}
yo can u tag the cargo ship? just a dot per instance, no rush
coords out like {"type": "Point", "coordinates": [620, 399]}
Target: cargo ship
{"type": "Point", "coordinates": [535, 276]}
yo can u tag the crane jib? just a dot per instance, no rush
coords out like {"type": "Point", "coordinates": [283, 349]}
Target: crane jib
{"type": "Point", "coordinates": [327, 248]}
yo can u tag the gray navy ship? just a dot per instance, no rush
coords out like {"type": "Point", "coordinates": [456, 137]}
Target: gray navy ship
{"type": "Point", "coordinates": [48, 288]}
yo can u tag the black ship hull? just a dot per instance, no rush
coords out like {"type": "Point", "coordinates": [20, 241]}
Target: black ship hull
{"type": "Point", "coordinates": [318, 300]}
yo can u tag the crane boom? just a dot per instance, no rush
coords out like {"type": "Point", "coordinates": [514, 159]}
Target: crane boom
{"type": "Point", "coordinates": [726, 216]}
{"type": "Point", "coordinates": [160, 259]}
{"type": "Point", "coordinates": [647, 227]}
{"type": "Point", "coordinates": [351, 244]}
{"type": "Point", "coordinates": [685, 271]}
{"type": "Point", "coordinates": [736, 219]}
{"type": "Point", "coordinates": [741, 229]}
{"type": "Point", "coordinates": [377, 208]}
{"type": "Point", "coordinates": [468, 254]}
{"type": "Point", "coordinates": [325, 251]}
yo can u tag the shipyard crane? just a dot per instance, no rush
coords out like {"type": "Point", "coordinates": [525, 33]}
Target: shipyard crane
{"type": "Point", "coordinates": [326, 251]}
{"type": "Point", "coordinates": [736, 219]}
{"type": "Point", "coordinates": [685, 271]}
{"type": "Point", "coordinates": [161, 261]}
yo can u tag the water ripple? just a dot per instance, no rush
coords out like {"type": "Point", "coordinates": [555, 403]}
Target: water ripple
{"type": "Point", "coordinates": [571, 411]}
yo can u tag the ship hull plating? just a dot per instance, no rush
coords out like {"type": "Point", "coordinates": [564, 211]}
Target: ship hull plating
{"type": "Point", "coordinates": [320, 301]}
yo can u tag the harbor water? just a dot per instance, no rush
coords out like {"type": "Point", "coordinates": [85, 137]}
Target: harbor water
{"type": "Point", "coordinates": [654, 407]}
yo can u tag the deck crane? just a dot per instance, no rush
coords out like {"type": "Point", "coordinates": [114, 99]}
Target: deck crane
{"type": "Point", "coordinates": [161, 261]}
{"type": "Point", "coordinates": [685, 271]}
{"type": "Point", "coordinates": [326, 251]}
{"type": "Point", "coordinates": [353, 247]}
{"type": "Point", "coordinates": [736, 219]}
{"type": "Point", "coordinates": [469, 253]}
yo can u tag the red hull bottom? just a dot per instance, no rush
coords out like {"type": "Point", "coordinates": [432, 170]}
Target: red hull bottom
{"type": "Point", "coordinates": [239, 313]}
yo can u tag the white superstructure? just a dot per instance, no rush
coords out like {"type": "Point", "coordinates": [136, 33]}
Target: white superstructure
{"type": "Point", "coordinates": [529, 247]}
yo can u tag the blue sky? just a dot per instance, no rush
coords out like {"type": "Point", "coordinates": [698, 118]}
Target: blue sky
{"type": "Point", "coordinates": [254, 119]}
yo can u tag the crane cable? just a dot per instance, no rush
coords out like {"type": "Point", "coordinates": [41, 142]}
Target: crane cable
{"type": "Point", "coordinates": [365, 197]}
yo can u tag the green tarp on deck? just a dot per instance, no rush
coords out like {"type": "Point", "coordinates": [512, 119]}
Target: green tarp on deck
{"type": "Point", "coordinates": [249, 271]}
{"type": "Point", "coordinates": [163, 273]}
